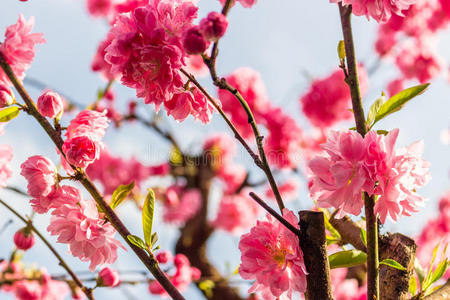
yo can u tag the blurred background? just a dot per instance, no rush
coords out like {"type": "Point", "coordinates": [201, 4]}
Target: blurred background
{"type": "Point", "coordinates": [287, 41]}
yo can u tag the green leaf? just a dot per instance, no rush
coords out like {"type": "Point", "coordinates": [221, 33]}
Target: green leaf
{"type": "Point", "coordinates": [396, 102]}
{"type": "Point", "coordinates": [154, 238]}
{"type": "Point", "coordinates": [392, 263]}
{"type": "Point", "coordinates": [120, 194]}
{"type": "Point", "coordinates": [383, 132]}
{"type": "Point", "coordinates": [341, 50]}
{"type": "Point", "coordinates": [9, 113]}
{"type": "Point", "coordinates": [137, 241]}
{"type": "Point", "coordinates": [439, 271]}
{"type": "Point", "coordinates": [348, 258]}
{"type": "Point", "coordinates": [363, 236]}
{"type": "Point", "coordinates": [332, 240]}
{"type": "Point", "coordinates": [147, 216]}
{"type": "Point", "coordinates": [373, 111]}
{"type": "Point", "coordinates": [413, 285]}
{"type": "Point", "coordinates": [419, 271]}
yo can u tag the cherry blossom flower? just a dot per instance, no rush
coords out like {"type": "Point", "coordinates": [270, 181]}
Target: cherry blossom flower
{"type": "Point", "coordinates": [24, 239]}
{"type": "Point", "coordinates": [88, 123]}
{"type": "Point", "coordinates": [99, 64]}
{"type": "Point", "coordinates": [289, 190]}
{"type": "Point", "coordinates": [6, 95]}
{"type": "Point", "coordinates": [196, 66]}
{"type": "Point", "coordinates": [271, 255]}
{"type": "Point", "coordinates": [100, 8]}
{"type": "Point", "coordinates": [108, 277]}
{"type": "Point", "coordinates": [41, 174]}
{"type": "Point", "coordinates": [214, 26]}
{"type": "Point", "coordinates": [18, 47]}
{"type": "Point", "coordinates": [50, 104]}
{"type": "Point", "coordinates": [180, 205]}
{"type": "Point", "coordinates": [193, 41]}
{"type": "Point", "coordinates": [59, 196]}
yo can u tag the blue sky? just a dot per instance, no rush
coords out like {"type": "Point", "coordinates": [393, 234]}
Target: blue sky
{"type": "Point", "coordinates": [281, 39]}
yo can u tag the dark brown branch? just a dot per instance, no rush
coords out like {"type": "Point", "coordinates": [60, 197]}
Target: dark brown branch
{"type": "Point", "coordinates": [350, 232]}
{"type": "Point", "coordinates": [314, 247]}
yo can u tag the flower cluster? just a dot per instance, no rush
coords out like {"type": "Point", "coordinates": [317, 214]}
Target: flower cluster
{"type": "Point", "coordinates": [271, 255]}
{"type": "Point", "coordinates": [180, 204]}
{"type": "Point", "coordinates": [75, 221]}
{"type": "Point", "coordinates": [18, 47]}
{"type": "Point", "coordinates": [352, 164]}
{"type": "Point", "coordinates": [183, 275]}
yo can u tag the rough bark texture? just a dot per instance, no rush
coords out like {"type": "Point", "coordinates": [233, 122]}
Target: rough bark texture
{"type": "Point", "coordinates": [394, 283]}
{"type": "Point", "coordinates": [350, 232]}
{"type": "Point", "coordinates": [196, 232]}
{"type": "Point", "coordinates": [314, 246]}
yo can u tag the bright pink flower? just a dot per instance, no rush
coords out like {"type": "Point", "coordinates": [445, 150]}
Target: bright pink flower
{"type": "Point", "coordinates": [214, 26]}
{"type": "Point", "coordinates": [24, 239]}
{"type": "Point", "coordinates": [250, 85]}
{"type": "Point", "coordinates": [146, 48]}
{"type": "Point", "coordinates": [289, 190]}
{"type": "Point", "coordinates": [327, 101]}
{"type": "Point", "coordinates": [183, 276]}
{"type": "Point", "coordinates": [219, 150]}
{"type": "Point", "coordinates": [338, 176]}
{"type": "Point", "coordinates": [90, 238]}
{"type": "Point", "coordinates": [236, 213]}
{"type": "Point", "coordinates": [81, 151]}
{"type": "Point", "coordinates": [108, 277]}
{"type": "Point", "coordinates": [59, 196]}
{"type": "Point", "coordinates": [28, 290]}
{"type": "Point", "coordinates": [164, 257]}
{"type": "Point", "coordinates": [380, 10]}
{"type": "Point", "coordinates": [187, 103]}
{"type": "Point", "coordinates": [100, 8]}
{"type": "Point", "coordinates": [271, 255]}
{"type": "Point", "coordinates": [6, 155]}
{"type": "Point", "coordinates": [179, 205]}
{"type": "Point", "coordinates": [50, 104]}
{"type": "Point", "coordinates": [194, 42]}
{"type": "Point", "coordinates": [88, 123]}
{"type": "Point", "coordinates": [6, 95]}
{"type": "Point", "coordinates": [41, 174]}
{"type": "Point", "coordinates": [395, 86]}
{"type": "Point", "coordinates": [99, 64]}
{"type": "Point", "coordinates": [18, 47]}
{"type": "Point", "coordinates": [43, 289]}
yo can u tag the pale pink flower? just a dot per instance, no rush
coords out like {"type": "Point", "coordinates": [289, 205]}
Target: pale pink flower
{"type": "Point", "coordinates": [180, 205]}
{"type": "Point", "coordinates": [6, 155]}
{"type": "Point", "coordinates": [50, 104]}
{"type": "Point", "coordinates": [196, 66]}
{"type": "Point", "coordinates": [250, 85]}
{"type": "Point", "coordinates": [214, 26]}
{"type": "Point", "coordinates": [236, 213]}
{"type": "Point", "coordinates": [380, 10]}
{"type": "Point", "coordinates": [24, 239]}
{"type": "Point", "coordinates": [6, 95]}
{"type": "Point", "coordinates": [41, 174]}
{"type": "Point", "coordinates": [81, 151]}
{"type": "Point", "coordinates": [88, 123]}
{"type": "Point", "coordinates": [271, 255]}
{"type": "Point", "coordinates": [90, 238]}
{"type": "Point", "coordinates": [18, 47]}
{"type": "Point", "coordinates": [108, 277]}
{"type": "Point", "coordinates": [59, 196]}
{"type": "Point", "coordinates": [328, 99]}
{"type": "Point", "coordinates": [43, 289]}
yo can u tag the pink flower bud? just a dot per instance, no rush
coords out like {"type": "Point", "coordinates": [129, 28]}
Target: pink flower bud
{"type": "Point", "coordinates": [195, 273]}
{"type": "Point", "coordinates": [81, 151]}
{"type": "Point", "coordinates": [108, 277]}
{"type": "Point", "coordinates": [214, 26]}
{"type": "Point", "coordinates": [6, 95]}
{"type": "Point", "coordinates": [164, 257]}
{"type": "Point", "coordinates": [24, 239]}
{"type": "Point", "coordinates": [194, 42]}
{"type": "Point", "coordinates": [50, 104]}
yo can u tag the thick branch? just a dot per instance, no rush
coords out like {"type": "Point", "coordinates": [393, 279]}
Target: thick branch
{"type": "Point", "coordinates": [350, 232]}
{"type": "Point", "coordinates": [314, 247]}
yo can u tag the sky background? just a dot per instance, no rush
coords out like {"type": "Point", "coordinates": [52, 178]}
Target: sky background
{"type": "Point", "coordinates": [283, 40]}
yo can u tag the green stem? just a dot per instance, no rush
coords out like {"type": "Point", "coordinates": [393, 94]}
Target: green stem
{"type": "Point", "coordinates": [373, 288]}
{"type": "Point", "coordinates": [148, 260]}
{"type": "Point", "coordinates": [62, 263]}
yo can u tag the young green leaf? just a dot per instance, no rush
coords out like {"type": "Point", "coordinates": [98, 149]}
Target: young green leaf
{"type": "Point", "coordinates": [363, 236]}
{"type": "Point", "coordinates": [9, 113]}
{"type": "Point", "coordinates": [348, 258]}
{"type": "Point", "coordinates": [374, 110]}
{"type": "Point", "coordinates": [341, 50]}
{"type": "Point", "coordinates": [120, 194]}
{"type": "Point", "coordinates": [154, 238]}
{"type": "Point", "coordinates": [137, 241]}
{"type": "Point", "coordinates": [413, 285]}
{"type": "Point", "coordinates": [439, 271]}
{"type": "Point", "coordinates": [392, 263]}
{"type": "Point", "coordinates": [148, 212]}
{"type": "Point", "coordinates": [396, 102]}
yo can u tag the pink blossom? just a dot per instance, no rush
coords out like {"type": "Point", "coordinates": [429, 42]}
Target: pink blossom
{"type": "Point", "coordinates": [108, 277]}
{"type": "Point", "coordinates": [184, 274]}
{"type": "Point", "coordinates": [99, 64]}
{"type": "Point", "coordinates": [187, 103]}
{"type": "Point", "coordinates": [219, 149]}
{"type": "Point", "coordinates": [6, 155]}
{"type": "Point", "coordinates": [380, 10]}
{"type": "Point", "coordinates": [50, 104]}
{"type": "Point", "coordinates": [194, 42]}
{"type": "Point", "coordinates": [88, 123]}
{"type": "Point", "coordinates": [24, 239]}
{"type": "Point", "coordinates": [271, 255]}
{"type": "Point", "coordinates": [146, 48]}
{"type": "Point", "coordinates": [59, 196]}
{"type": "Point", "coordinates": [232, 175]}
{"type": "Point", "coordinates": [41, 174]}
{"type": "Point", "coordinates": [6, 95]}
{"type": "Point", "coordinates": [90, 238]}
{"type": "Point", "coordinates": [236, 213]}
{"type": "Point", "coordinates": [289, 190]}
{"type": "Point", "coordinates": [214, 26]}
{"type": "Point", "coordinates": [179, 205]}
{"type": "Point", "coordinates": [164, 257]}
{"type": "Point", "coordinates": [81, 151]}
{"type": "Point", "coordinates": [327, 101]}
{"type": "Point", "coordinates": [100, 8]}
{"type": "Point", "coordinates": [196, 66]}
{"type": "Point", "coordinates": [18, 47]}
{"type": "Point", "coordinates": [250, 85]}
{"type": "Point", "coordinates": [395, 86]}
